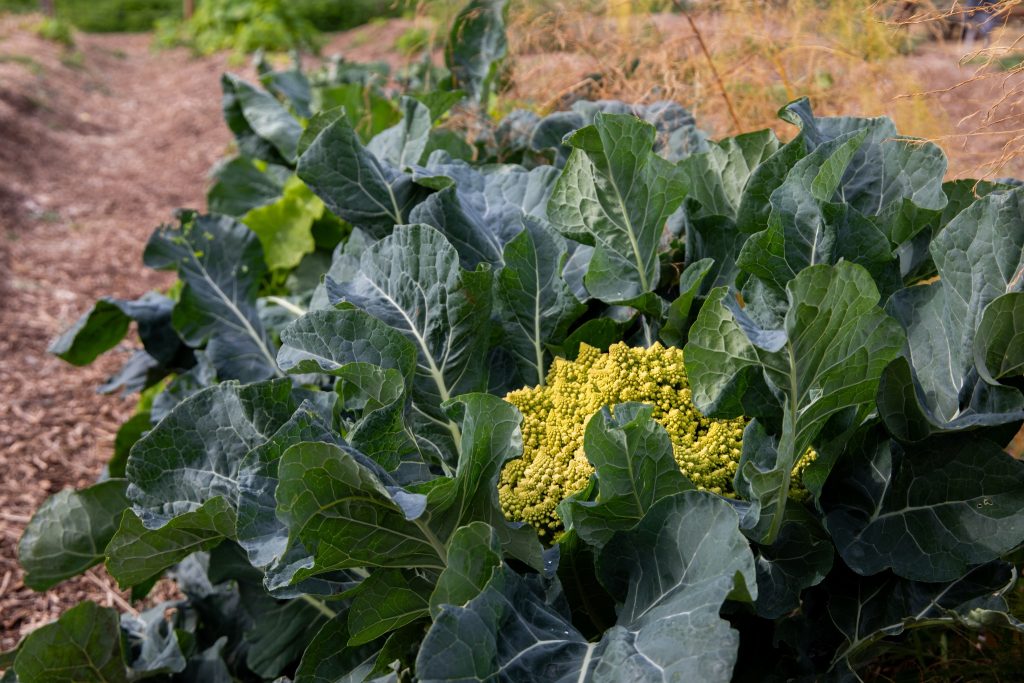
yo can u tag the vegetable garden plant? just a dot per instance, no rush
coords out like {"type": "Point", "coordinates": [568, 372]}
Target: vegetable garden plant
{"type": "Point", "coordinates": [630, 406]}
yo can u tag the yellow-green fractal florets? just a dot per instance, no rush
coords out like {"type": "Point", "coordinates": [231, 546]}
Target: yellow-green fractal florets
{"type": "Point", "coordinates": [554, 465]}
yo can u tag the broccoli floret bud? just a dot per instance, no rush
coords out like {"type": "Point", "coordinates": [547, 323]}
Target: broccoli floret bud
{"type": "Point", "coordinates": [555, 415]}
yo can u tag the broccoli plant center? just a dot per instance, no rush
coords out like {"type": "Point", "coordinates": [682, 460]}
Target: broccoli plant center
{"type": "Point", "coordinates": [554, 464]}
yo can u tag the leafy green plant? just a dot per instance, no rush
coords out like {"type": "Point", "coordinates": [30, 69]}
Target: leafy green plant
{"type": "Point", "coordinates": [243, 26]}
{"type": "Point", "coordinates": [413, 40]}
{"type": "Point", "coordinates": [56, 30]}
{"type": "Point", "coordinates": [319, 449]}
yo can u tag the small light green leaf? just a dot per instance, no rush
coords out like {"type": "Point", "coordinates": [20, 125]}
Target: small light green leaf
{"type": "Point", "coordinates": [635, 468]}
{"type": "Point", "coordinates": [386, 601]}
{"type": "Point", "coordinates": [285, 227]}
{"type": "Point", "coordinates": [999, 343]}
{"type": "Point", "coordinates": [82, 646]}
{"type": "Point", "coordinates": [68, 533]}
{"type": "Point", "coordinates": [615, 194]}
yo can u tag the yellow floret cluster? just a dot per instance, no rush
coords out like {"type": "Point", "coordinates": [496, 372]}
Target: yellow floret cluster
{"type": "Point", "coordinates": [554, 465]}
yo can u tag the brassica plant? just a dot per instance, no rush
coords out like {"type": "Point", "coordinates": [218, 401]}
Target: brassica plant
{"type": "Point", "coordinates": [322, 436]}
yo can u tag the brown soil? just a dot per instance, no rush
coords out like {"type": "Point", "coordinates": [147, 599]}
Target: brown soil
{"type": "Point", "coordinates": [99, 144]}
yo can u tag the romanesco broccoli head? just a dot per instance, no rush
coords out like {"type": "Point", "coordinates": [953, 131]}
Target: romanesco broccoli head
{"type": "Point", "coordinates": [555, 415]}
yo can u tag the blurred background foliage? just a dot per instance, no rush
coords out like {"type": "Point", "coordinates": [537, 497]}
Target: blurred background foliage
{"type": "Point", "coordinates": [112, 16]}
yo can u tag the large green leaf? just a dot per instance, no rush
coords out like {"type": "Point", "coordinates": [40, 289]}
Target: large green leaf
{"type": "Point", "coordinates": [386, 601]}
{"type": "Point", "coordinates": [715, 179]}
{"type": "Point", "coordinates": [635, 467]}
{"type": "Point", "coordinates": [403, 144]}
{"type": "Point", "coordinates": [490, 437]}
{"type": "Point", "coordinates": [826, 360]}
{"type": "Point", "coordinates": [615, 194]}
{"type": "Point", "coordinates": [927, 519]}
{"type": "Point", "coordinates": [329, 340]}
{"type": "Point", "coordinates": [242, 184]}
{"type": "Point", "coordinates": [412, 281]}
{"type": "Point", "coordinates": [999, 343]}
{"type": "Point", "coordinates": [357, 186]}
{"type": "Point", "coordinates": [280, 634]}
{"type": "Point", "coordinates": [887, 171]}
{"type": "Point", "coordinates": [476, 46]}
{"type": "Point", "coordinates": [83, 646]}
{"type": "Point", "coordinates": [474, 553]}
{"type": "Point", "coordinates": [979, 256]}
{"type": "Point", "coordinates": [798, 234]}
{"type": "Point", "coordinates": [193, 454]}
{"type": "Point", "coordinates": [221, 264]}
{"type": "Point", "coordinates": [137, 553]}
{"type": "Point", "coordinates": [800, 558]}
{"type": "Point", "coordinates": [481, 209]}
{"type": "Point", "coordinates": [263, 127]}
{"type": "Point", "coordinates": [534, 304]}
{"type": "Point", "coordinates": [345, 516]}
{"type": "Point", "coordinates": [368, 357]}
{"type": "Point", "coordinates": [259, 531]}
{"type": "Point", "coordinates": [106, 323]}
{"type": "Point", "coordinates": [68, 533]}
{"type": "Point", "coordinates": [329, 660]}
{"type": "Point", "coordinates": [866, 610]}
{"type": "Point", "coordinates": [675, 569]}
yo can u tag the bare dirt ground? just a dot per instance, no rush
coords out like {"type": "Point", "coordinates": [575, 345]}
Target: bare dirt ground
{"type": "Point", "coordinates": [97, 146]}
{"type": "Point", "coordinates": [95, 151]}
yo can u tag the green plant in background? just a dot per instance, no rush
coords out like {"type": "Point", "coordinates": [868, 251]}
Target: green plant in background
{"type": "Point", "coordinates": [243, 26]}
{"type": "Point", "coordinates": [318, 457]}
{"type": "Point", "coordinates": [104, 16]}
{"type": "Point", "coordinates": [55, 29]}
{"type": "Point", "coordinates": [414, 40]}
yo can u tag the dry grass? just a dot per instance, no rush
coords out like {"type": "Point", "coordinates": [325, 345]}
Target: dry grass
{"type": "Point", "coordinates": [851, 57]}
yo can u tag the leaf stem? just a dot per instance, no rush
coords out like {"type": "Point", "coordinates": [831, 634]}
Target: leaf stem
{"type": "Point", "coordinates": [319, 605]}
{"type": "Point", "coordinates": [297, 311]}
